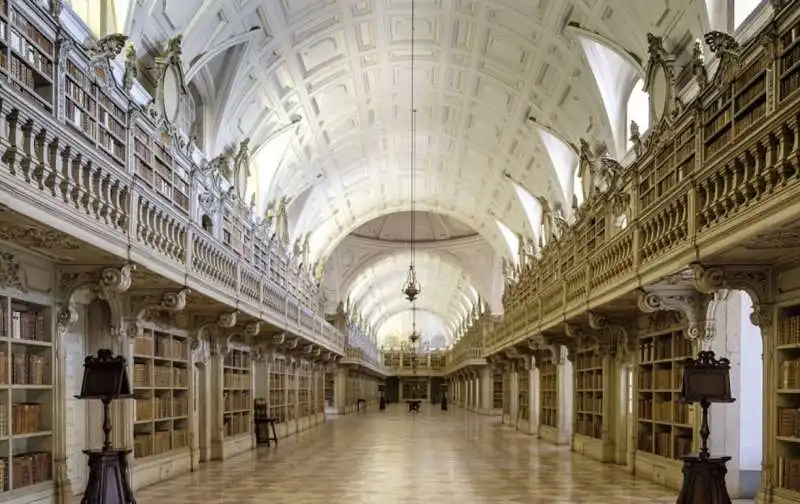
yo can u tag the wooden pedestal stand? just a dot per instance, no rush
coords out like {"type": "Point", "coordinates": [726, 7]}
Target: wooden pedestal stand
{"type": "Point", "coordinates": [705, 380]}
{"type": "Point", "coordinates": [105, 377]}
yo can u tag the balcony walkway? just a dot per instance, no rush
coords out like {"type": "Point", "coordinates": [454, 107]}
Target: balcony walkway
{"type": "Point", "coordinates": [396, 457]}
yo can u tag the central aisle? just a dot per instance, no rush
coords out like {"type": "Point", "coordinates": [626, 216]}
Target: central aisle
{"type": "Point", "coordinates": [397, 457]}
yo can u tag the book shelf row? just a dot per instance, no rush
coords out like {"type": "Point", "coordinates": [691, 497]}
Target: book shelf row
{"type": "Point", "coordinates": [548, 382]}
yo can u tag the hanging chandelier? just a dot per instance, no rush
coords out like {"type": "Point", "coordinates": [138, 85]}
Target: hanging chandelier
{"type": "Point", "coordinates": [411, 288]}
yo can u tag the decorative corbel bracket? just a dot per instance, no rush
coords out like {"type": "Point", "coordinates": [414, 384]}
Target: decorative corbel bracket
{"type": "Point", "coordinates": [107, 285]}
{"type": "Point", "coordinates": [754, 280]}
{"type": "Point", "coordinates": [148, 305]}
{"type": "Point", "coordinates": [690, 304]}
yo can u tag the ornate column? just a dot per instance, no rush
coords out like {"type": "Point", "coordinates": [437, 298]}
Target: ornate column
{"type": "Point", "coordinates": [218, 346]}
{"type": "Point", "coordinates": [487, 387]}
{"type": "Point", "coordinates": [535, 394]}
{"type": "Point", "coordinates": [566, 395]}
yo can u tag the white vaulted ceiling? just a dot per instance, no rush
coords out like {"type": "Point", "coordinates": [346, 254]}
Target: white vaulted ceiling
{"type": "Point", "coordinates": [491, 76]}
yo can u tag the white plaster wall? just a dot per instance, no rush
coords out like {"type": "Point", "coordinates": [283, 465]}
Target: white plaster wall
{"type": "Point", "coordinates": [751, 391]}
{"type": "Point", "coordinates": [75, 409]}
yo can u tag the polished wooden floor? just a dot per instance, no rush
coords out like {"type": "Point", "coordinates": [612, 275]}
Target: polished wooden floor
{"type": "Point", "coordinates": [397, 457]}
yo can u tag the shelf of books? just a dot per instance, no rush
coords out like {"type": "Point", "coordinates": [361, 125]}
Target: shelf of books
{"type": "Point", "coordinates": [237, 390]}
{"type": "Point", "coordinates": [415, 388]}
{"type": "Point", "coordinates": [277, 390]}
{"type": "Point", "coordinates": [391, 359]}
{"type": "Point", "coordinates": [588, 365]}
{"type": "Point", "coordinates": [154, 165]}
{"type": "Point", "coordinates": [291, 393]}
{"type": "Point", "coordinates": [319, 391]}
{"type": "Point", "coordinates": [548, 393]}
{"type": "Point", "coordinates": [329, 386]}
{"type": "Point", "coordinates": [161, 392]}
{"type": "Point", "coordinates": [506, 393]}
{"type": "Point", "coordinates": [789, 61]}
{"type": "Point", "coordinates": [26, 56]}
{"type": "Point", "coordinates": [787, 399]}
{"type": "Point", "coordinates": [92, 111]}
{"type": "Point", "coordinates": [664, 428]}
{"type": "Point", "coordinates": [303, 392]}
{"type": "Point", "coordinates": [26, 393]}
{"type": "Point", "coordinates": [524, 385]}
{"type": "Point", "coordinates": [497, 390]}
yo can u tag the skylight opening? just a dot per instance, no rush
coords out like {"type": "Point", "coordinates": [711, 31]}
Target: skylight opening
{"type": "Point", "coordinates": [532, 207]}
{"type": "Point", "coordinates": [742, 10]}
{"type": "Point", "coordinates": [563, 159]}
{"type": "Point", "coordinates": [511, 241]}
{"type": "Point", "coordinates": [638, 110]}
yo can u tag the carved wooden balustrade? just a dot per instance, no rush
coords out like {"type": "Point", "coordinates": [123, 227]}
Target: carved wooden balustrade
{"type": "Point", "coordinates": [469, 350]}
{"type": "Point", "coordinates": [98, 186]}
{"type": "Point", "coordinates": [725, 159]}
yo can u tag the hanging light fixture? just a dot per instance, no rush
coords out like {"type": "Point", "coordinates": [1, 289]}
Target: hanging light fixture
{"type": "Point", "coordinates": [411, 288]}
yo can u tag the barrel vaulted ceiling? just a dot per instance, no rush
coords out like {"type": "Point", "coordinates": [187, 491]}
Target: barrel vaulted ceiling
{"type": "Point", "coordinates": [503, 89]}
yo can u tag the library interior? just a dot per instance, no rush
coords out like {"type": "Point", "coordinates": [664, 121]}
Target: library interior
{"type": "Point", "coordinates": [473, 251]}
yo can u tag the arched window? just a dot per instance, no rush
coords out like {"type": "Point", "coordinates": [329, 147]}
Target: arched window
{"type": "Point", "coordinates": [742, 9]}
{"type": "Point", "coordinates": [103, 17]}
{"type": "Point", "coordinates": [638, 110]}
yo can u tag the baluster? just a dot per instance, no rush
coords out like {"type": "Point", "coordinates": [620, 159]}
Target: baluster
{"type": "Point", "coordinates": [52, 167]}
{"type": "Point", "coordinates": [27, 150]}
{"type": "Point", "coordinates": [38, 166]}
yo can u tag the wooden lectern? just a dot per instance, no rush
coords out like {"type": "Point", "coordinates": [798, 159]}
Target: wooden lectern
{"type": "Point", "coordinates": [105, 377]}
{"type": "Point", "coordinates": [705, 380]}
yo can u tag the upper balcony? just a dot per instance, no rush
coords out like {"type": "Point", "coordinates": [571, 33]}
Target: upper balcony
{"type": "Point", "coordinates": [80, 156]}
{"type": "Point", "coordinates": [715, 181]}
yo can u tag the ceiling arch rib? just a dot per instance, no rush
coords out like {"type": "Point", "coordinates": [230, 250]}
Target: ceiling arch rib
{"type": "Point", "coordinates": [328, 223]}
{"type": "Point", "coordinates": [376, 291]}
{"type": "Point", "coordinates": [395, 329]}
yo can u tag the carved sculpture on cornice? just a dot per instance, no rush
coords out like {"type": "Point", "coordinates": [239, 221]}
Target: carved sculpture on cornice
{"type": "Point", "coordinates": [281, 224]}
{"type": "Point", "coordinates": [660, 84]}
{"type": "Point", "coordinates": [241, 169]}
{"type": "Point", "coordinates": [727, 51]}
{"type": "Point", "coordinates": [151, 307]}
{"type": "Point", "coordinates": [131, 67]}
{"type": "Point", "coordinates": [636, 138]}
{"type": "Point", "coordinates": [586, 169]}
{"type": "Point", "coordinates": [108, 47]}
{"type": "Point", "coordinates": [164, 111]}
{"type": "Point", "coordinates": [698, 65]}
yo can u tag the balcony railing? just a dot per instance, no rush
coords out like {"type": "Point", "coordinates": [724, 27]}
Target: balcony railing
{"type": "Point", "coordinates": [68, 174]}
{"type": "Point", "coordinates": [726, 159]}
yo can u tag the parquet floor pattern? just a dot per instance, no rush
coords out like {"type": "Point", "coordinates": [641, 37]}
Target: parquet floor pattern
{"type": "Point", "coordinates": [395, 457]}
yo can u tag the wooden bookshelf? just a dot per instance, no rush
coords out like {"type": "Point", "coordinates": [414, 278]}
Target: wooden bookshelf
{"type": "Point", "coordinates": [497, 390]}
{"type": "Point", "coordinates": [319, 391]}
{"type": "Point", "coordinates": [588, 366]}
{"type": "Point", "coordinates": [548, 384]}
{"type": "Point", "coordinates": [154, 165]}
{"type": "Point", "coordinates": [717, 126]}
{"type": "Point", "coordinates": [506, 393]}
{"type": "Point", "coordinates": [26, 393]}
{"type": "Point", "coordinates": [438, 360]}
{"type": "Point", "coordinates": [26, 57]}
{"type": "Point", "coordinates": [750, 94]}
{"type": "Point", "coordinates": [92, 111]}
{"type": "Point", "coordinates": [329, 386]}
{"type": "Point", "coordinates": [664, 428]}
{"type": "Point", "coordinates": [277, 390]}
{"type": "Point", "coordinates": [291, 392]}
{"type": "Point", "coordinates": [524, 386]}
{"type": "Point", "coordinates": [237, 392]}
{"type": "Point", "coordinates": [789, 62]}
{"type": "Point", "coordinates": [303, 392]}
{"type": "Point", "coordinates": [391, 359]}
{"type": "Point", "coordinates": [415, 388]}
{"type": "Point", "coordinates": [787, 399]}
{"type": "Point", "coordinates": [161, 392]}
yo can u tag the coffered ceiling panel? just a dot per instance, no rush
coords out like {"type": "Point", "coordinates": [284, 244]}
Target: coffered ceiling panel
{"type": "Point", "coordinates": [489, 75]}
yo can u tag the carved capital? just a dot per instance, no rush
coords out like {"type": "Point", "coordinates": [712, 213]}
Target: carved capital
{"type": "Point", "coordinates": [251, 329]}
